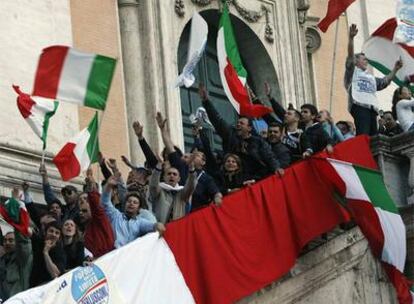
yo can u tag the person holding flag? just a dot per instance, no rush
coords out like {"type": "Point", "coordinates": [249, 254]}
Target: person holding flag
{"type": "Point", "coordinates": [362, 87]}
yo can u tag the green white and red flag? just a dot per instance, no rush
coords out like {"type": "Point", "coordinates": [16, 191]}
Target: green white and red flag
{"type": "Point", "coordinates": [377, 216]}
{"type": "Point", "coordinates": [335, 9]}
{"type": "Point", "coordinates": [37, 112]}
{"type": "Point", "coordinates": [14, 212]}
{"type": "Point", "coordinates": [382, 53]}
{"type": "Point", "coordinates": [232, 72]}
{"type": "Point", "coordinates": [81, 151]}
{"type": "Point", "coordinates": [66, 74]}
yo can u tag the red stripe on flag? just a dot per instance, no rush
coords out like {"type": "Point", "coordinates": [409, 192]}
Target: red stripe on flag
{"type": "Point", "coordinates": [24, 220]}
{"type": "Point", "coordinates": [387, 30]}
{"type": "Point", "coordinates": [335, 9]}
{"type": "Point", "coordinates": [401, 284]}
{"type": "Point", "coordinates": [239, 93]}
{"type": "Point", "coordinates": [24, 102]}
{"type": "Point", "coordinates": [366, 218]}
{"type": "Point", "coordinates": [67, 163]}
{"type": "Point", "coordinates": [49, 70]}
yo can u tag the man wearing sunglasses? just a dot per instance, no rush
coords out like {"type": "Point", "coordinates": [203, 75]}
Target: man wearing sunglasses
{"type": "Point", "coordinates": [69, 193]}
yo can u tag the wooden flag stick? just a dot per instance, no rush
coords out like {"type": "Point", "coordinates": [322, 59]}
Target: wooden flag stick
{"type": "Point", "coordinates": [333, 66]}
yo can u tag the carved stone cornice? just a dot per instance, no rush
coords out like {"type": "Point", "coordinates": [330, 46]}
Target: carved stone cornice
{"type": "Point", "coordinates": [249, 15]}
{"type": "Point", "coordinates": [123, 3]}
{"type": "Point", "coordinates": [313, 40]}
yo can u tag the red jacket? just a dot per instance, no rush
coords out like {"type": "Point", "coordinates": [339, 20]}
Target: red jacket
{"type": "Point", "coordinates": [99, 237]}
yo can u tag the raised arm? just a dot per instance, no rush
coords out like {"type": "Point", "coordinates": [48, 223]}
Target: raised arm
{"type": "Point", "coordinates": [221, 126]}
{"type": "Point", "coordinates": [277, 108]}
{"type": "Point", "coordinates": [353, 31]}
{"type": "Point", "coordinates": [190, 184]}
{"type": "Point", "coordinates": [50, 197]}
{"type": "Point", "coordinates": [106, 202]}
{"type": "Point", "coordinates": [154, 182]}
{"type": "Point", "coordinates": [146, 149]}
{"type": "Point", "coordinates": [397, 66]}
{"type": "Point", "coordinates": [165, 134]}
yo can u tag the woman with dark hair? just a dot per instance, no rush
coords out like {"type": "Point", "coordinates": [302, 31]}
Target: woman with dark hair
{"type": "Point", "coordinates": [231, 176]}
{"type": "Point", "coordinates": [72, 245]}
{"type": "Point", "coordinates": [402, 108]}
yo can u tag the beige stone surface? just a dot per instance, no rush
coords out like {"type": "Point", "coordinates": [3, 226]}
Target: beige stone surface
{"type": "Point", "coordinates": [95, 29]}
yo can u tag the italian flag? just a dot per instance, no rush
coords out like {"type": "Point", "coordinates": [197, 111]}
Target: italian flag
{"type": "Point", "coordinates": [377, 216]}
{"type": "Point", "coordinates": [14, 212]}
{"type": "Point", "coordinates": [79, 152]}
{"type": "Point", "coordinates": [335, 9]}
{"type": "Point", "coordinates": [66, 74]}
{"type": "Point", "coordinates": [37, 112]}
{"type": "Point", "coordinates": [382, 53]}
{"type": "Point", "coordinates": [233, 74]}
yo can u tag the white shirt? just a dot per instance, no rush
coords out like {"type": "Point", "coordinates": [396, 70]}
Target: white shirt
{"type": "Point", "coordinates": [405, 113]}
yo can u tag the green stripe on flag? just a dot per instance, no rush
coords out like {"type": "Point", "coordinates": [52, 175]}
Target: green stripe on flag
{"type": "Point", "coordinates": [12, 207]}
{"type": "Point", "coordinates": [99, 82]}
{"type": "Point", "coordinates": [375, 188]}
{"type": "Point", "coordinates": [93, 143]}
{"type": "Point", "coordinates": [384, 70]}
{"type": "Point", "coordinates": [46, 123]}
{"type": "Point", "coordinates": [230, 43]}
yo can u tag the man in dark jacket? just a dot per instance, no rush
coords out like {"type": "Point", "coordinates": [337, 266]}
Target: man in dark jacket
{"type": "Point", "coordinates": [280, 151]}
{"type": "Point", "coordinates": [255, 153]}
{"type": "Point", "coordinates": [15, 264]}
{"type": "Point", "coordinates": [314, 131]}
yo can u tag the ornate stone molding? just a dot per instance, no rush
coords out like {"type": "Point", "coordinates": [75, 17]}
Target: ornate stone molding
{"type": "Point", "coordinates": [179, 8]}
{"type": "Point", "coordinates": [313, 40]}
{"type": "Point", "coordinates": [251, 16]}
{"type": "Point", "coordinates": [303, 7]}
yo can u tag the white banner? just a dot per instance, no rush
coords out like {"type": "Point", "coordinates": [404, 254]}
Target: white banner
{"type": "Point", "coordinates": [405, 18]}
{"type": "Point", "coordinates": [198, 41]}
{"type": "Point", "coordinates": [144, 271]}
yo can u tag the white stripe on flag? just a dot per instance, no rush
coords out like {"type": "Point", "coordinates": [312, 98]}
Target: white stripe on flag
{"type": "Point", "coordinates": [394, 251]}
{"type": "Point", "coordinates": [354, 188]}
{"type": "Point", "coordinates": [80, 151]}
{"type": "Point", "coordinates": [73, 82]}
{"type": "Point", "coordinates": [222, 59]}
{"type": "Point", "coordinates": [143, 271]}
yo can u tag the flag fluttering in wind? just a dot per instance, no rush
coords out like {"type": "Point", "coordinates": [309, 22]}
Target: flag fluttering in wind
{"type": "Point", "coordinates": [66, 74]}
{"type": "Point", "coordinates": [81, 151]}
{"type": "Point", "coordinates": [14, 212]}
{"type": "Point", "coordinates": [197, 45]}
{"type": "Point", "coordinates": [382, 53]}
{"type": "Point", "coordinates": [404, 32]}
{"type": "Point", "coordinates": [233, 74]}
{"type": "Point", "coordinates": [37, 112]}
{"type": "Point", "coordinates": [335, 9]}
{"type": "Point", "coordinates": [377, 216]}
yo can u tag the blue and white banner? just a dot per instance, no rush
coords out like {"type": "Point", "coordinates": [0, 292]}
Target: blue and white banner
{"type": "Point", "coordinates": [405, 18]}
{"type": "Point", "coordinates": [197, 45]}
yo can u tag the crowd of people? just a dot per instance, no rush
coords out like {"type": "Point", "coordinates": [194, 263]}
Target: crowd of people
{"type": "Point", "coordinates": [109, 214]}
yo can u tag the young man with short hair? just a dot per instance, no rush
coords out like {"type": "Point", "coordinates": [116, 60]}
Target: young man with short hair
{"type": "Point", "coordinates": [317, 136]}
{"type": "Point", "coordinates": [127, 225]}
{"type": "Point", "coordinates": [294, 138]}
{"type": "Point", "coordinates": [280, 151]}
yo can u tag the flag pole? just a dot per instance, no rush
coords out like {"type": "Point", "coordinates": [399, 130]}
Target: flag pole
{"type": "Point", "coordinates": [43, 156]}
{"type": "Point", "coordinates": [333, 66]}
{"type": "Point", "coordinates": [95, 144]}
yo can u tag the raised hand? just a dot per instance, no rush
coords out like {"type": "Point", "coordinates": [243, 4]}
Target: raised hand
{"type": "Point", "coordinates": [398, 64]}
{"type": "Point", "coordinates": [161, 121]}
{"type": "Point", "coordinates": [139, 129]}
{"type": "Point", "coordinates": [42, 170]}
{"type": "Point", "coordinates": [127, 161]}
{"type": "Point", "coordinates": [112, 164]}
{"type": "Point", "coordinates": [268, 89]}
{"type": "Point", "coordinates": [353, 31]}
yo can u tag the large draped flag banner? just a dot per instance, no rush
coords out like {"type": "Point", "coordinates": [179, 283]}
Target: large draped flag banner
{"type": "Point", "coordinates": [382, 53]}
{"type": "Point", "coordinates": [232, 73]}
{"type": "Point", "coordinates": [335, 9]}
{"type": "Point", "coordinates": [404, 32]}
{"type": "Point", "coordinates": [66, 74]}
{"type": "Point", "coordinates": [197, 45]}
{"type": "Point", "coordinates": [14, 212]}
{"type": "Point", "coordinates": [376, 214]}
{"type": "Point", "coordinates": [216, 254]}
{"type": "Point", "coordinates": [37, 112]}
{"type": "Point", "coordinates": [79, 153]}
